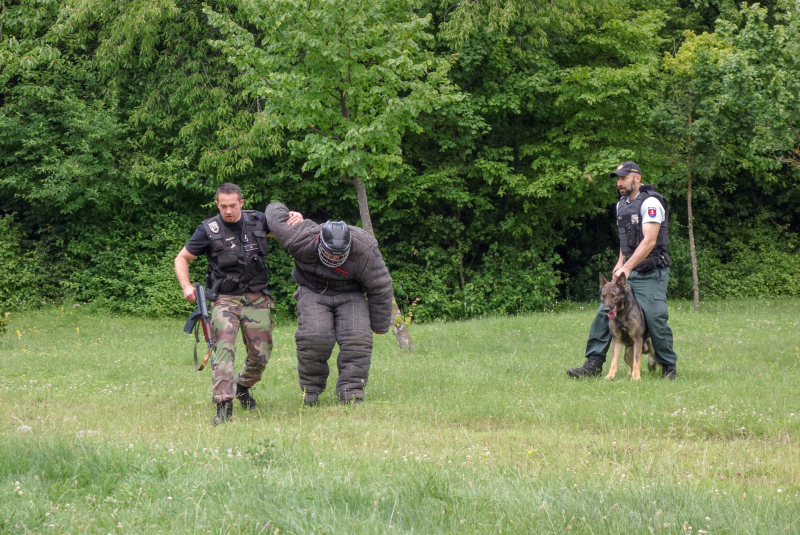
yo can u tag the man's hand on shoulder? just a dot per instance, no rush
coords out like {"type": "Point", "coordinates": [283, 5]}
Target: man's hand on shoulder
{"type": "Point", "coordinates": [294, 218]}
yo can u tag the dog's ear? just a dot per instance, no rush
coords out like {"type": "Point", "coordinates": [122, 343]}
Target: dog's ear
{"type": "Point", "coordinates": [602, 280]}
{"type": "Point", "coordinates": [621, 280]}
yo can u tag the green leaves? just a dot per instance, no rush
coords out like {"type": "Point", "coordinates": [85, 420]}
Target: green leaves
{"type": "Point", "coordinates": [336, 82]}
{"type": "Point", "coordinates": [484, 132]}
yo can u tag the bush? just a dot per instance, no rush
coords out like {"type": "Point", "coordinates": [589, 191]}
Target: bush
{"type": "Point", "coordinates": [764, 262]}
{"type": "Point", "coordinates": [127, 266]}
{"type": "Point", "coordinates": [507, 281]}
{"type": "Point", "coordinates": [25, 280]}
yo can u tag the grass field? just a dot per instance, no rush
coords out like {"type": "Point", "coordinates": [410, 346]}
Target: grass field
{"type": "Point", "coordinates": [104, 428]}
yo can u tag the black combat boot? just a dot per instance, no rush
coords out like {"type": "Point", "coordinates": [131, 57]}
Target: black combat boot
{"type": "Point", "coordinates": [244, 397]}
{"type": "Point", "coordinates": [592, 368]}
{"type": "Point", "coordinates": [669, 373]}
{"type": "Point", "coordinates": [224, 411]}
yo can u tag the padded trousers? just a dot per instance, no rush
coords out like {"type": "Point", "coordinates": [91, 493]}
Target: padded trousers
{"type": "Point", "coordinates": [323, 321]}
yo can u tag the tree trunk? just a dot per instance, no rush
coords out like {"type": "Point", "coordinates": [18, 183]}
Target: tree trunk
{"type": "Point", "coordinates": [363, 206]}
{"type": "Point", "coordinates": [695, 282]}
{"type": "Point", "coordinates": [398, 324]}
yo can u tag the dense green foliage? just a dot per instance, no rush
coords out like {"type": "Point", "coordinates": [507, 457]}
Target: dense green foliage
{"type": "Point", "coordinates": [483, 133]}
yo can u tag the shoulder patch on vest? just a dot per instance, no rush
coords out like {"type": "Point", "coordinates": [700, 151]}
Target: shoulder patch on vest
{"type": "Point", "coordinates": [214, 227]}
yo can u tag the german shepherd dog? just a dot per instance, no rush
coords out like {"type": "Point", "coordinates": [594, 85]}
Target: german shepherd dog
{"type": "Point", "coordinates": [626, 322]}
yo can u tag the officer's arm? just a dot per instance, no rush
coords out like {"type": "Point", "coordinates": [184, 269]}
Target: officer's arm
{"type": "Point", "coordinates": [650, 231]}
{"type": "Point", "coordinates": [618, 265]}
{"type": "Point", "coordinates": [182, 272]}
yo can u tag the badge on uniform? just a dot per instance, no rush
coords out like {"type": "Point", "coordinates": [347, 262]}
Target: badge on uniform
{"type": "Point", "coordinates": [635, 219]}
{"type": "Point", "coordinates": [214, 227]}
{"type": "Point", "coordinates": [651, 212]}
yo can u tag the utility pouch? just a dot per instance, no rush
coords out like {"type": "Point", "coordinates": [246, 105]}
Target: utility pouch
{"type": "Point", "coordinates": [228, 260]}
{"type": "Point", "coordinates": [648, 264]}
{"type": "Point", "coordinates": [230, 284]}
{"type": "Point", "coordinates": [256, 266]}
{"type": "Point", "coordinates": [261, 239]}
{"type": "Point", "coordinates": [632, 231]}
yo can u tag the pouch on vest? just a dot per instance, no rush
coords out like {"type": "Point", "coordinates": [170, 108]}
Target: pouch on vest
{"type": "Point", "coordinates": [632, 232]}
{"type": "Point", "coordinates": [261, 239]}
{"type": "Point", "coordinates": [256, 267]}
{"type": "Point", "coordinates": [229, 285]}
{"type": "Point", "coordinates": [228, 260]}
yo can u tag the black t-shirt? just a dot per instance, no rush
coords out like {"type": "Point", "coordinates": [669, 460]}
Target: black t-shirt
{"type": "Point", "coordinates": [198, 244]}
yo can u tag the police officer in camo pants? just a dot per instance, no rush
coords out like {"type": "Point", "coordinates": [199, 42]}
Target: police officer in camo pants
{"type": "Point", "coordinates": [335, 266]}
{"type": "Point", "coordinates": [642, 215]}
{"type": "Point", "coordinates": [235, 243]}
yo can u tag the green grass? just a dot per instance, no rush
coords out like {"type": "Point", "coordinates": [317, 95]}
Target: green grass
{"type": "Point", "coordinates": [104, 428]}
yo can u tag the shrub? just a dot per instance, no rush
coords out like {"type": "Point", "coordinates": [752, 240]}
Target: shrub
{"type": "Point", "coordinates": [25, 280]}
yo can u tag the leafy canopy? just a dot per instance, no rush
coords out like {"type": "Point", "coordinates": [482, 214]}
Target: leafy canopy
{"type": "Point", "coordinates": [338, 82]}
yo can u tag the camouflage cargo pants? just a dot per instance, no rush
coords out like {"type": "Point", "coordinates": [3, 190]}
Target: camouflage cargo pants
{"type": "Point", "coordinates": [229, 312]}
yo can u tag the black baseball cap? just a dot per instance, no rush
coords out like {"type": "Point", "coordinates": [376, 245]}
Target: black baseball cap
{"type": "Point", "coordinates": [626, 168]}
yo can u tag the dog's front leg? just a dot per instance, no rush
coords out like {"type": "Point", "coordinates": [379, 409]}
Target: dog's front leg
{"type": "Point", "coordinates": [616, 346]}
{"type": "Point", "coordinates": [636, 373]}
{"type": "Point", "coordinates": [629, 359]}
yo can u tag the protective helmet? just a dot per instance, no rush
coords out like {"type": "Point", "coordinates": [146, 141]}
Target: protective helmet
{"type": "Point", "coordinates": [334, 243]}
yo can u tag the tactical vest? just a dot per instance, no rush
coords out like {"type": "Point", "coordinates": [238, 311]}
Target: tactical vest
{"type": "Point", "coordinates": [235, 266]}
{"type": "Point", "coordinates": [629, 223]}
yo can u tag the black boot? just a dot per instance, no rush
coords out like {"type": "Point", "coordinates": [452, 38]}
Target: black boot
{"type": "Point", "coordinates": [224, 411]}
{"type": "Point", "coordinates": [592, 368]}
{"type": "Point", "coordinates": [669, 373]}
{"type": "Point", "coordinates": [244, 397]}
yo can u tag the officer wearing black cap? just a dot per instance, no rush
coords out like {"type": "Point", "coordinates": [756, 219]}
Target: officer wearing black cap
{"type": "Point", "coordinates": [642, 216]}
{"type": "Point", "coordinates": [335, 266]}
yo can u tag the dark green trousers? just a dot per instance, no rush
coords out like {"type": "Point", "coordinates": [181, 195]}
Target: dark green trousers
{"type": "Point", "coordinates": [650, 290]}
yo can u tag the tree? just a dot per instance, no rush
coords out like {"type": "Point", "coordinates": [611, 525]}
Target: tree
{"type": "Point", "coordinates": [691, 75]}
{"type": "Point", "coordinates": [764, 68]}
{"type": "Point", "coordinates": [730, 105]}
{"type": "Point", "coordinates": [338, 83]}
